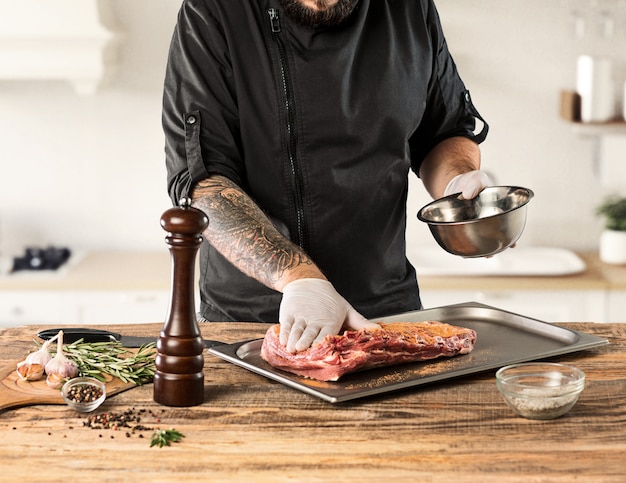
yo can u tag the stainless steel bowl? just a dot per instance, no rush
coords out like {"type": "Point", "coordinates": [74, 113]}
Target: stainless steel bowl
{"type": "Point", "coordinates": [481, 227]}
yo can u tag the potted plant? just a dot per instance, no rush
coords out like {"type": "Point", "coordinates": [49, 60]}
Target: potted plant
{"type": "Point", "coordinates": [613, 238]}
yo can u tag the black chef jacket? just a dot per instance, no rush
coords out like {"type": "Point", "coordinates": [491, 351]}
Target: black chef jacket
{"type": "Point", "coordinates": [320, 127]}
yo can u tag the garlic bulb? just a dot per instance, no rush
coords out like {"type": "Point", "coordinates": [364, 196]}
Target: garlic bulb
{"type": "Point", "coordinates": [60, 365]}
{"type": "Point", "coordinates": [32, 368]}
{"type": "Point", "coordinates": [42, 356]}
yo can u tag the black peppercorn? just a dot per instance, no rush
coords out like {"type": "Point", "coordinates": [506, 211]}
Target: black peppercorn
{"type": "Point", "coordinates": [84, 393]}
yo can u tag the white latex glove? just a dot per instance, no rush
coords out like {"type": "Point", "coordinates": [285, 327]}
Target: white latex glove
{"type": "Point", "coordinates": [469, 184]}
{"type": "Point", "coordinates": [310, 310]}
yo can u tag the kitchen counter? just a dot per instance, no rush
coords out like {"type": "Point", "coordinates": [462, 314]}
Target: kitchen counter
{"type": "Point", "coordinates": [596, 276]}
{"type": "Point", "coordinates": [92, 288]}
{"type": "Point", "coordinates": [253, 429]}
{"type": "Point", "coordinates": [98, 271]}
{"type": "Point", "coordinates": [133, 287]}
{"type": "Point", "coordinates": [615, 275]}
{"type": "Point", "coordinates": [151, 271]}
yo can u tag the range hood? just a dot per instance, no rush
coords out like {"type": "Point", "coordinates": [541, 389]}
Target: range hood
{"type": "Point", "coordinates": [56, 40]}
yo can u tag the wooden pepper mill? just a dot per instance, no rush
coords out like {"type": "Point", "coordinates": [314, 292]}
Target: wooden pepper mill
{"type": "Point", "coordinates": [179, 377]}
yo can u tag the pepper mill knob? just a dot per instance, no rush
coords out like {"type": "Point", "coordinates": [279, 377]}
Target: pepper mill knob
{"type": "Point", "coordinates": [179, 377]}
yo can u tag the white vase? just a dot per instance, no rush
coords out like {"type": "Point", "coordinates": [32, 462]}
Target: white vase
{"type": "Point", "coordinates": [613, 247]}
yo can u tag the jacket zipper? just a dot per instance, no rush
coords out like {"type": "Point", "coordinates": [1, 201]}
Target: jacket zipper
{"type": "Point", "coordinates": [294, 164]}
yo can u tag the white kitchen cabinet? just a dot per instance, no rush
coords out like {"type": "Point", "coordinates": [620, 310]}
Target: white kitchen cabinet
{"type": "Point", "coordinates": [19, 307]}
{"type": "Point", "coordinates": [548, 306]}
{"type": "Point", "coordinates": [97, 288]}
{"type": "Point", "coordinates": [82, 307]}
{"type": "Point", "coordinates": [616, 306]}
{"type": "Point", "coordinates": [121, 307]}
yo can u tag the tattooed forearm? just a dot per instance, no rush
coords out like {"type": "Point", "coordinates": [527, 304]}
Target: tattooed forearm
{"type": "Point", "coordinates": [243, 234]}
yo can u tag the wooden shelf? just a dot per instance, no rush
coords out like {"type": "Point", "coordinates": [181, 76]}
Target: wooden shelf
{"type": "Point", "coordinates": [599, 128]}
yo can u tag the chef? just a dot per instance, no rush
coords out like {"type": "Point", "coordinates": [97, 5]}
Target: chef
{"type": "Point", "coordinates": [294, 125]}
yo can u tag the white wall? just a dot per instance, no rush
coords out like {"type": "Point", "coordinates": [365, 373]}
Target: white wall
{"type": "Point", "coordinates": [515, 56]}
{"type": "Point", "coordinates": [89, 172]}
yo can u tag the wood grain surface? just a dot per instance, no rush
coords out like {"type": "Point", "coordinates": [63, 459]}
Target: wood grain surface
{"type": "Point", "coordinates": [252, 429]}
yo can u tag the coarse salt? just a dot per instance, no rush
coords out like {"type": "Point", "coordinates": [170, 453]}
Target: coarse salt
{"type": "Point", "coordinates": [546, 403]}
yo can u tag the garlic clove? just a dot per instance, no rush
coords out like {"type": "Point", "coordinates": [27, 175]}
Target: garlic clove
{"type": "Point", "coordinates": [33, 366]}
{"type": "Point", "coordinates": [54, 381]}
{"type": "Point", "coordinates": [29, 372]}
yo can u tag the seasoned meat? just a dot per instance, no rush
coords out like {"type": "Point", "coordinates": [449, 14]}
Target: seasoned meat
{"type": "Point", "coordinates": [393, 343]}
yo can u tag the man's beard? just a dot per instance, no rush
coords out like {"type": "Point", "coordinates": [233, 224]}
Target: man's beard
{"type": "Point", "coordinates": [325, 17]}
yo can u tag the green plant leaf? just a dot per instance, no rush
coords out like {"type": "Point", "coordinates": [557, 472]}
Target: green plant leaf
{"type": "Point", "coordinates": [614, 211]}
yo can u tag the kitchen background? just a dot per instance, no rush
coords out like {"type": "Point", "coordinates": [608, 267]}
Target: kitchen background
{"type": "Point", "coordinates": [86, 169]}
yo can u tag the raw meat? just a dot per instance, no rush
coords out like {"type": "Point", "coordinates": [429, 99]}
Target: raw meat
{"type": "Point", "coordinates": [393, 343]}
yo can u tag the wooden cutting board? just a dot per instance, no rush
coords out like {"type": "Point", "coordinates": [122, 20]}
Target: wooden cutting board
{"type": "Point", "coordinates": [15, 392]}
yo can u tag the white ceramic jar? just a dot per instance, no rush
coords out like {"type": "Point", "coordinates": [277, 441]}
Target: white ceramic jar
{"type": "Point", "coordinates": [613, 247]}
{"type": "Point", "coordinates": [594, 83]}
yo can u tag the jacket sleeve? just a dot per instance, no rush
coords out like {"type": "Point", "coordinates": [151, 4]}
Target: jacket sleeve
{"type": "Point", "coordinates": [449, 109]}
{"type": "Point", "coordinates": [199, 114]}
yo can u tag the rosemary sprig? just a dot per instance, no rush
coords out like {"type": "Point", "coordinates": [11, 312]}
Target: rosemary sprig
{"type": "Point", "coordinates": [164, 437]}
{"type": "Point", "coordinates": [98, 358]}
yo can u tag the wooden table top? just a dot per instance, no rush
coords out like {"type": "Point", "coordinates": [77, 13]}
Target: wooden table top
{"type": "Point", "coordinates": [252, 429]}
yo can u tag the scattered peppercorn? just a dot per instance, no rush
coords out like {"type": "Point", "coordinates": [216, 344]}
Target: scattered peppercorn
{"type": "Point", "coordinates": [128, 421]}
{"type": "Point", "coordinates": [114, 421]}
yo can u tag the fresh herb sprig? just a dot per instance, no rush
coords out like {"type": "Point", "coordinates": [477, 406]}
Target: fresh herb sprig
{"type": "Point", "coordinates": [98, 358]}
{"type": "Point", "coordinates": [164, 437]}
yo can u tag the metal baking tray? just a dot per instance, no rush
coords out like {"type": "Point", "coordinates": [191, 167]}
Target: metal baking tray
{"type": "Point", "coordinates": [502, 338]}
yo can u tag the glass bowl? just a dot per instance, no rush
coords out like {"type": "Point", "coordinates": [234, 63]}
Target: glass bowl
{"type": "Point", "coordinates": [84, 394]}
{"type": "Point", "coordinates": [540, 390]}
